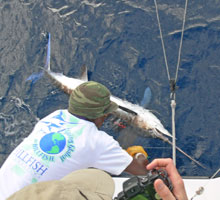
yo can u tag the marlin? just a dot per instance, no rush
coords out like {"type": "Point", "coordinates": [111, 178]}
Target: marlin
{"type": "Point", "coordinates": [133, 114]}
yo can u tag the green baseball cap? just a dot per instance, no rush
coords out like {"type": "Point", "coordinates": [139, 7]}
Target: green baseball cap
{"type": "Point", "coordinates": [91, 100]}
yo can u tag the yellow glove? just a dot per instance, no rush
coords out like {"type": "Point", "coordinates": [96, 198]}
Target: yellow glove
{"type": "Point", "coordinates": [133, 150]}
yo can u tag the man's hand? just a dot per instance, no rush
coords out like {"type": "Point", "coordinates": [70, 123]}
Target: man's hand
{"type": "Point", "coordinates": [179, 191]}
{"type": "Point", "coordinates": [139, 163]}
{"type": "Point", "coordinates": [136, 150]}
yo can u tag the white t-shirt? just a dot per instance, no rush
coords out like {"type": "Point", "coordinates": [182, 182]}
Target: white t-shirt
{"type": "Point", "coordinates": [59, 144]}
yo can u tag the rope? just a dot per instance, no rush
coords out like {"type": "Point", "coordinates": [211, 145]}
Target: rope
{"type": "Point", "coordinates": [172, 82]}
{"type": "Point", "coordinates": [173, 106]}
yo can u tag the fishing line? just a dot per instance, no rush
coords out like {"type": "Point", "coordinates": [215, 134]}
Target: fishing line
{"type": "Point", "coordinates": [172, 82]}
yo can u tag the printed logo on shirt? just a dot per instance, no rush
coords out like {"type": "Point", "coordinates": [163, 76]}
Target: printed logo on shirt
{"type": "Point", "coordinates": [53, 143]}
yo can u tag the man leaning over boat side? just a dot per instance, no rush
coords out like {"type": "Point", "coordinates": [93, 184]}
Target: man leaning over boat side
{"type": "Point", "coordinates": [94, 184]}
{"type": "Point", "coordinates": [69, 140]}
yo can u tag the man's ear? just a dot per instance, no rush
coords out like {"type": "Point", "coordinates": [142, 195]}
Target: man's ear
{"type": "Point", "coordinates": [99, 121]}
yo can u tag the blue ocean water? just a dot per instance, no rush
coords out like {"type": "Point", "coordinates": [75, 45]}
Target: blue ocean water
{"type": "Point", "coordinates": [119, 42]}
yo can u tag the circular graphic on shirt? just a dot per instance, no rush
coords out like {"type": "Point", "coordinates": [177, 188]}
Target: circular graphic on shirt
{"type": "Point", "coordinates": [53, 143]}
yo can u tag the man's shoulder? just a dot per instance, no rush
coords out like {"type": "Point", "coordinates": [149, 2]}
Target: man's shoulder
{"type": "Point", "coordinates": [62, 115]}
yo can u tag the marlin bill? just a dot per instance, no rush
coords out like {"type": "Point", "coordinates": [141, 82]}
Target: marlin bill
{"type": "Point", "coordinates": [133, 114]}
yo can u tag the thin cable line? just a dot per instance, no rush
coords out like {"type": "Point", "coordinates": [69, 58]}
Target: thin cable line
{"type": "Point", "coordinates": [181, 40]}
{"type": "Point", "coordinates": [162, 42]}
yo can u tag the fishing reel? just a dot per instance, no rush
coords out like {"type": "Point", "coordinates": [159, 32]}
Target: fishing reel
{"type": "Point", "coordinates": [142, 187]}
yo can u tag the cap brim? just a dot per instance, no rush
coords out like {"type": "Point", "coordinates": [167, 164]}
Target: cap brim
{"type": "Point", "coordinates": [111, 108]}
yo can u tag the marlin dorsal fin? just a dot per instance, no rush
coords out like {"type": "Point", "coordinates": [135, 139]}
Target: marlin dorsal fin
{"type": "Point", "coordinates": [147, 98]}
{"type": "Point", "coordinates": [84, 73]}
